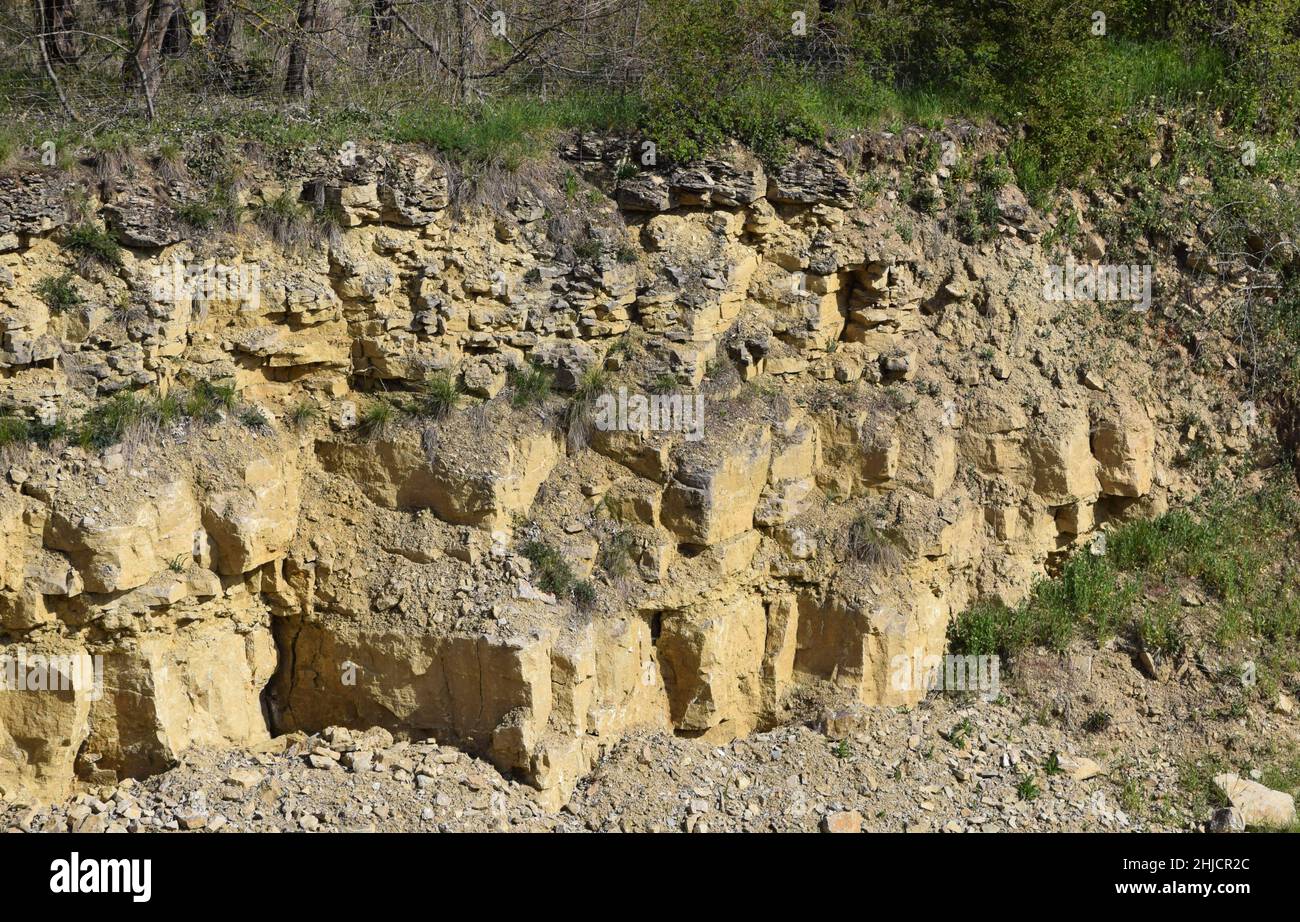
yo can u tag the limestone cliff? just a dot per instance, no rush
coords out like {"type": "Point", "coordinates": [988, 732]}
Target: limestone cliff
{"type": "Point", "coordinates": [895, 423]}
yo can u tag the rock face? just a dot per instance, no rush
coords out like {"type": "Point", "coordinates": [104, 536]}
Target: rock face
{"type": "Point", "coordinates": [843, 438]}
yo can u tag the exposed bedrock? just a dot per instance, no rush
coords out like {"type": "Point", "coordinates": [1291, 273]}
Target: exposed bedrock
{"type": "Point", "coordinates": [893, 425]}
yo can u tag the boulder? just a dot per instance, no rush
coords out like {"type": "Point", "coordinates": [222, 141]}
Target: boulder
{"type": "Point", "coordinates": [717, 485]}
{"type": "Point", "coordinates": [1257, 804]}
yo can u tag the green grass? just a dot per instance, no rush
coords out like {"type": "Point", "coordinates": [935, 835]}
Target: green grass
{"type": "Point", "coordinates": [529, 386]}
{"type": "Point", "coordinates": [94, 244]}
{"type": "Point", "coordinates": [378, 418]}
{"type": "Point", "coordinates": [511, 130]}
{"type": "Point", "coordinates": [59, 293]}
{"type": "Point", "coordinates": [436, 397]}
{"type": "Point", "coordinates": [14, 430]}
{"type": "Point", "coordinates": [1097, 722]}
{"type": "Point", "coordinates": [207, 401]}
{"type": "Point", "coordinates": [303, 413]}
{"type": "Point", "coordinates": [1227, 545]}
{"type": "Point", "coordinates": [687, 111]}
{"type": "Point", "coordinates": [551, 572]}
{"type": "Point", "coordinates": [118, 417]}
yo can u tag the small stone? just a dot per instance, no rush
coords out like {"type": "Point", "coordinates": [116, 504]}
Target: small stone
{"type": "Point", "coordinates": [842, 821]}
{"type": "Point", "coordinates": [192, 820]}
{"type": "Point", "coordinates": [1079, 768]}
{"type": "Point", "coordinates": [362, 760]}
{"type": "Point", "coordinates": [245, 778]}
{"type": "Point", "coordinates": [1227, 819]}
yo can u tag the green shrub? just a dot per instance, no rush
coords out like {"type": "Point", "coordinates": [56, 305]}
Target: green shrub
{"type": "Point", "coordinates": [551, 572]}
{"type": "Point", "coordinates": [253, 418]}
{"type": "Point", "coordinates": [110, 422]}
{"type": "Point", "coordinates": [379, 416]}
{"type": "Point", "coordinates": [59, 293]}
{"type": "Point", "coordinates": [94, 244]}
{"type": "Point", "coordinates": [437, 396]}
{"type": "Point", "coordinates": [300, 414]}
{"type": "Point", "coordinates": [584, 595]}
{"type": "Point", "coordinates": [14, 430]}
{"type": "Point", "coordinates": [530, 385]}
{"type": "Point", "coordinates": [1097, 721]}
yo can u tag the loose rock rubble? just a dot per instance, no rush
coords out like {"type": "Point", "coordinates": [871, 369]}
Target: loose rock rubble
{"type": "Point", "coordinates": [951, 764]}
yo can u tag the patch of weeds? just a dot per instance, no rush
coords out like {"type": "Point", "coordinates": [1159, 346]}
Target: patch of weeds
{"type": "Point", "coordinates": [93, 244]}
{"type": "Point", "coordinates": [842, 750]}
{"type": "Point", "coordinates": [588, 250]}
{"type": "Point", "coordinates": [291, 224]}
{"type": "Point", "coordinates": [584, 595]}
{"type": "Point", "coordinates": [437, 396]}
{"type": "Point", "coordinates": [301, 414]}
{"type": "Point", "coordinates": [615, 557]}
{"type": "Point", "coordinates": [864, 543]}
{"type": "Point", "coordinates": [962, 733]}
{"type": "Point", "coordinates": [664, 383]}
{"type": "Point", "coordinates": [207, 214]}
{"type": "Point", "coordinates": [593, 383]}
{"type": "Point", "coordinates": [1159, 627]}
{"type": "Point", "coordinates": [1052, 764]}
{"type": "Point", "coordinates": [1028, 788]}
{"type": "Point", "coordinates": [59, 293]}
{"type": "Point", "coordinates": [1097, 722]}
{"type": "Point", "coordinates": [530, 385]}
{"type": "Point", "coordinates": [253, 418]}
{"type": "Point", "coordinates": [378, 418]}
{"type": "Point", "coordinates": [14, 430]}
{"type": "Point", "coordinates": [1131, 798]}
{"type": "Point", "coordinates": [551, 572]}
{"type": "Point", "coordinates": [1196, 779]}
{"type": "Point", "coordinates": [208, 401]}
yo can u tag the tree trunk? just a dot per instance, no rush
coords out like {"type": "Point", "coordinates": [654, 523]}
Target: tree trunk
{"type": "Point", "coordinates": [463, 52]}
{"type": "Point", "coordinates": [147, 22]}
{"type": "Point", "coordinates": [381, 27]}
{"type": "Point", "coordinates": [221, 27]}
{"type": "Point", "coordinates": [297, 79]}
{"type": "Point", "coordinates": [57, 19]}
{"type": "Point", "coordinates": [177, 37]}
